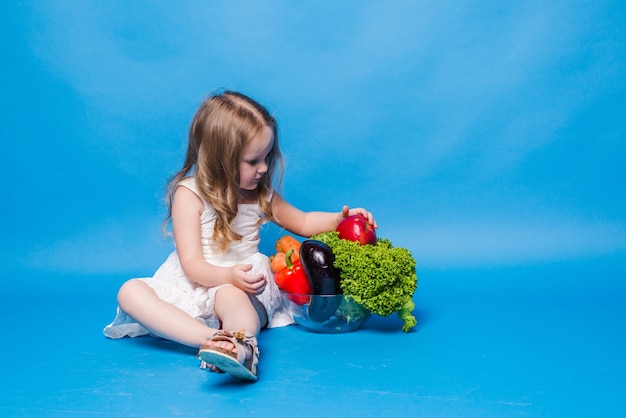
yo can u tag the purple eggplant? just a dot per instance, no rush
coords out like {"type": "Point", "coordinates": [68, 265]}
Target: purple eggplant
{"type": "Point", "coordinates": [317, 261]}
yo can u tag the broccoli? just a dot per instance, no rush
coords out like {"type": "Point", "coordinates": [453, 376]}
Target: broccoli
{"type": "Point", "coordinates": [380, 277]}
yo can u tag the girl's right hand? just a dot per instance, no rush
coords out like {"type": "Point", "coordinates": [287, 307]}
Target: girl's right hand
{"type": "Point", "coordinates": [253, 284]}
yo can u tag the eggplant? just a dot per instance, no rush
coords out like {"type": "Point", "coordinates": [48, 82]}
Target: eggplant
{"type": "Point", "coordinates": [317, 261]}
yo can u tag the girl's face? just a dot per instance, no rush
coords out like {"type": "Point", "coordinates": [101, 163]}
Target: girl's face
{"type": "Point", "coordinates": [253, 163]}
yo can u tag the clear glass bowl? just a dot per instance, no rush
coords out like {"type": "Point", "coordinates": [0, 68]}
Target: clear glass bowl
{"type": "Point", "coordinates": [327, 314]}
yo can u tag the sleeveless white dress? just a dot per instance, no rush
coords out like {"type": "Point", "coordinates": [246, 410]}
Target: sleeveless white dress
{"type": "Point", "coordinates": [172, 286]}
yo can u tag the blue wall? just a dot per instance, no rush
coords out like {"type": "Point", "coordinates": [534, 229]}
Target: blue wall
{"type": "Point", "coordinates": [479, 133]}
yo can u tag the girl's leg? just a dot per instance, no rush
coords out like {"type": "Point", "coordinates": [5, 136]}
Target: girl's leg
{"type": "Point", "coordinates": [141, 302]}
{"type": "Point", "coordinates": [237, 310]}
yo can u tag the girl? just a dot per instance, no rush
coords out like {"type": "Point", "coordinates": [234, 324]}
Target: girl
{"type": "Point", "coordinates": [216, 291]}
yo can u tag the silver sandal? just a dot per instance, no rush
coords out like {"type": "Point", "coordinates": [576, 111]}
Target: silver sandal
{"type": "Point", "coordinates": [241, 364]}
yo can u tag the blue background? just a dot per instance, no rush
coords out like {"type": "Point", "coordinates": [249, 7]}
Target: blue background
{"type": "Point", "coordinates": [489, 138]}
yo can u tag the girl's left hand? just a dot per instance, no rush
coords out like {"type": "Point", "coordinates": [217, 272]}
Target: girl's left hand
{"type": "Point", "coordinates": [253, 284]}
{"type": "Point", "coordinates": [346, 211]}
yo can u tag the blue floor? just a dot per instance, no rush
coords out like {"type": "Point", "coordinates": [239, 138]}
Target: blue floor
{"type": "Point", "coordinates": [536, 341]}
{"type": "Point", "coordinates": [487, 137]}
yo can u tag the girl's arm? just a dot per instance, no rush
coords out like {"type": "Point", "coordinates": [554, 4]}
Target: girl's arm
{"type": "Point", "coordinates": [307, 224]}
{"type": "Point", "coordinates": [186, 211]}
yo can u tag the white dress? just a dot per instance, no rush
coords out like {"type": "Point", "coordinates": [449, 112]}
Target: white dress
{"type": "Point", "coordinates": [172, 286]}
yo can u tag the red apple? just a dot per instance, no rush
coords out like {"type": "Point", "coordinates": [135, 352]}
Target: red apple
{"type": "Point", "coordinates": [357, 228]}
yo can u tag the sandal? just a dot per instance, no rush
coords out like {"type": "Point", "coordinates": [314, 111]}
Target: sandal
{"type": "Point", "coordinates": [241, 364]}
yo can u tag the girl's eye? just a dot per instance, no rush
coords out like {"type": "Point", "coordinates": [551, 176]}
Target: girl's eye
{"type": "Point", "coordinates": [256, 161]}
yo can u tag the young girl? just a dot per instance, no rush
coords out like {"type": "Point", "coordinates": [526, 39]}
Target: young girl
{"type": "Point", "coordinates": [216, 291]}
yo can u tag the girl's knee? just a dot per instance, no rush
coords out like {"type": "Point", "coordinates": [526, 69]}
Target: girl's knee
{"type": "Point", "coordinates": [229, 291]}
{"type": "Point", "coordinates": [230, 296]}
{"type": "Point", "coordinates": [129, 292]}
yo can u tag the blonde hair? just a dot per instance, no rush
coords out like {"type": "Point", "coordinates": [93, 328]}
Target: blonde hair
{"type": "Point", "coordinates": [222, 127]}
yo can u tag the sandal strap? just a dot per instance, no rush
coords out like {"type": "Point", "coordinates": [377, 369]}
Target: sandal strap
{"type": "Point", "coordinates": [243, 344]}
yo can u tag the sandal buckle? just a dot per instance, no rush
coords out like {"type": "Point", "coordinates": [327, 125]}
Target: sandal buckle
{"type": "Point", "coordinates": [240, 335]}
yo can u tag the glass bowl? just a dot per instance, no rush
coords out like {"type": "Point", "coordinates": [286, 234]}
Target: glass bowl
{"type": "Point", "coordinates": [327, 314]}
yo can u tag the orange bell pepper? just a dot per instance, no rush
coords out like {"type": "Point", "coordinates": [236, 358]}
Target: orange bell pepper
{"type": "Point", "coordinates": [286, 243]}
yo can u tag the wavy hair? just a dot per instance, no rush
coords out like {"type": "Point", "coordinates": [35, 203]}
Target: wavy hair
{"type": "Point", "coordinates": [223, 126]}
